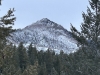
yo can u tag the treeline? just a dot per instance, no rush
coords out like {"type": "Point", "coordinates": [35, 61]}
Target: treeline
{"type": "Point", "coordinates": [21, 61]}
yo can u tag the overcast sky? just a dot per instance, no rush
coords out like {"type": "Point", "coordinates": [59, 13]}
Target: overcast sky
{"type": "Point", "coordinates": [62, 12]}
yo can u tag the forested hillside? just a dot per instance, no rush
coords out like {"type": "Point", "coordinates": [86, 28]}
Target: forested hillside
{"type": "Point", "coordinates": [19, 61]}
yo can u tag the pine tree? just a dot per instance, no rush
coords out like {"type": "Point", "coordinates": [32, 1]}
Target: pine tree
{"type": "Point", "coordinates": [42, 69]}
{"type": "Point", "coordinates": [53, 71]}
{"type": "Point", "coordinates": [49, 60]}
{"type": "Point", "coordinates": [10, 70]}
{"type": "Point", "coordinates": [31, 69]}
{"type": "Point", "coordinates": [90, 28]}
{"type": "Point", "coordinates": [6, 23]}
{"type": "Point", "coordinates": [57, 64]}
{"type": "Point", "coordinates": [23, 57]}
{"type": "Point", "coordinates": [15, 58]}
{"type": "Point", "coordinates": [6, 52]}
{"type": "Point", "coordinates": [41, 56]}
{"type": "Point", "coordinates": [6, 62]}
{"type": "Point", "coordinates": [32, 54]}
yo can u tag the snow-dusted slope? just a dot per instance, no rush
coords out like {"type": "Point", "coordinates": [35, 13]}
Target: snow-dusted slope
{"type": "Point", "coordinates": [45, 34]}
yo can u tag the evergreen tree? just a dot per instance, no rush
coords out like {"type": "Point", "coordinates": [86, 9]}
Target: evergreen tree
{"type": "Point", "coordinates": [41, 56]}
{"type": "Point", "coordinates": [42, 69]}
{"type": "Point", "coordinates": [15, 57]}
{"type": "Point", "coordinates": [6, 52]}
{"type": "Point", "coordinates": [31, 69]}
{"type": "Point", "coordinates": [53, 71]}
{"type": "Point", "coordinates": [23, 57]}
{"type": "Point", "coordinates": [49, 60]}
{"type": "Point", "coordinates": [32, 54]}
{"type": "Point", "coordinates": [90, 28]}
{"type": "Point", "coordinates": [11, 70]}
{"type": "Point", "coordinates": [6, 23]}
{"type": "Point", "coordinates": [57, 63]}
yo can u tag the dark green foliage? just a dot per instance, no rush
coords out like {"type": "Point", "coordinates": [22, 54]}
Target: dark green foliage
{"type": "Point", "coordinates": [49, 60]}
{"type": "Point", "coordinates": [56, 63]}
{"type": "Point", "coordinates": [22, 56]}
{"type": "Point", "coordinates": [16, 61]}
{"type": "Point", "coordinates": [15, 57]}
{"type": "Point", "coordinates": [6, 50]}
{"type": "Point", "coordinates": [31, 69]}
{"type": "Point", "coordinates": [53, 71]}
{"type": "Point", "coordinates": [6, 23]}
{"type": "Point", "coordinates": [32, 54]}
{"type": "Point", "coordinates": [90, 28]}
{"type": "Point", "coordinates": [43, 69]}
{"type": "Point", "coordinates": [89, 38]}
{"type": "Point", "coordinates": [41, 57]}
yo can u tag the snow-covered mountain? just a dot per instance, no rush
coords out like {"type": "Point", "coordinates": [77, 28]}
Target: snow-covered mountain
{"type": "Point", "coordinates": [45, 34]}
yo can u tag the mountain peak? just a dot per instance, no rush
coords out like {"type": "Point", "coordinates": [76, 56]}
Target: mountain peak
{"type": "Point", "coordinates": [44, 20]}
{"type": "Point", "coordinates": [46, 23]}
{"type": "Point", "coordinates": [45, 34]}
